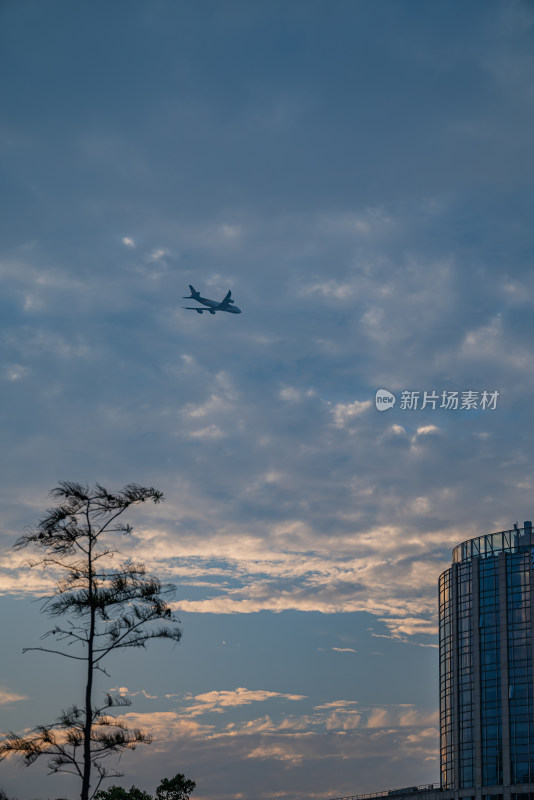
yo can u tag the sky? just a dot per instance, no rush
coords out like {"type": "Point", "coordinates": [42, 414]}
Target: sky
{"type": "Point", "coordinates": [360, 175]}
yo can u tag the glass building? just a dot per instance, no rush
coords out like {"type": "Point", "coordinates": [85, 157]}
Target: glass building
{"type": "Point", "coordinates": [486, 674]}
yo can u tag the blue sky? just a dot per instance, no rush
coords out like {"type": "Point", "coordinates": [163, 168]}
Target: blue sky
{"type": "Point", "coordinates": [360, 175]}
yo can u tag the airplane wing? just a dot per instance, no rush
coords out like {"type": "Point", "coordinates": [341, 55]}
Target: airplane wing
{"type": "Point", "coordinates": [226, 302]}
{"type": "Point", "coordinates": [199, 309]}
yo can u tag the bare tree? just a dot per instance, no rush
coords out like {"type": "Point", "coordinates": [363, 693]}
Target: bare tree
{"type": "Point", "coordinates": [112, 608]}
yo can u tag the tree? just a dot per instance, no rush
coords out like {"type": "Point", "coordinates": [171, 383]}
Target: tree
{"type": "Point", "coordinates": [177, 788]}
{"type": "Point", "coordinates": [114, 608]}
{"type": "Point", "coordinates": [118, 793]}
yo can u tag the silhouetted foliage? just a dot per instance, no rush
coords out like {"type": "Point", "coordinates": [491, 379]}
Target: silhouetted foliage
{"type": "Point", "coordinates": [112, 607]}
{"type": "Point", "coordinates": [177, 788]}
{"type": "Point", "coordinates": [118, 793]}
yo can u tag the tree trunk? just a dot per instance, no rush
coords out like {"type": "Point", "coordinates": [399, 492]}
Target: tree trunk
{"type": "Point", "coordinates": [86, 780]}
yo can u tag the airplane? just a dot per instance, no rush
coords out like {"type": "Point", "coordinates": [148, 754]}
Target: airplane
{"type": "Point", "coordinates": [212, 305]}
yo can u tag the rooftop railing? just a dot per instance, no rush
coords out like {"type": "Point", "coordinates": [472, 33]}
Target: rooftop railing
{"type": "Point", "coordinates": [491, 544]}
{"type": "Point", "coordinates": [426, 787]}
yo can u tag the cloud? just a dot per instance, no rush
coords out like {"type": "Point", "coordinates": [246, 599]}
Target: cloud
{"type": "Point", "coordinates": [166, 726]}
{"type": "Point", "coordinates": [329, 288]}
{"type": "Point", "coordinates": [231, 231]}
{"type": "Point", "coordinates": [15, 372]}
{"type": "Point", "coordinates": [128, 241]}
{"type": "Point", "coordinates": [10, 697]}
{"type": "Point", "coordinates": [344, 413]}
{"type": "Point", "coordinates": [210, 432]}
{"type": "Point", "coordinates": [290, 393]}
{"type": "Point", "coordinates": [333, 732]}
{"type": "Point", "coordinates": [288, 752]}
{"type": "Point", "coordinates": [242, 574]}
{"type": "Point", "coordinates": [123, 691]}
{"type": "Point", "coordinates": [334, 716]}
{"type": "Point", "coordinates": [260, 474]}
{"type": "Point", "coordinates": [401, 716]}
{"type": "Point", "coordinates": [337, 704]}
{"type": "Point", "coordinates": [157, 254]}
{"type": "Point", "coordinates": [379, 718]}
{"type": "Point", "coordinates": [425, 430]}
{"type": "Point", "coordinates": [220, 701]}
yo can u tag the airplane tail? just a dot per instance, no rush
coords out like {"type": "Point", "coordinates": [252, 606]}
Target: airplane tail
{"type": "Point", "coordinates": [194, 294]}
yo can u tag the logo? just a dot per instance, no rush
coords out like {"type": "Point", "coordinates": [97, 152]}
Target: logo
{"type": "Point", "coordinates": [447, 400]}
{"type": "Point", "coordinates": [384, 400]}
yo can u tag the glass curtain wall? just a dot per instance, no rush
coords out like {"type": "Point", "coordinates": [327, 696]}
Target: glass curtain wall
{"type": "Point", "coordinates": [490, 674]}
{"type": "Point", "coordinates": [486, 675]}
{"type": "Point", "coordinates": [465, 677]}
{"type": "Point", "coordinates": [445, 677]}
{"type": "Point", "coordinates": [520, 669]}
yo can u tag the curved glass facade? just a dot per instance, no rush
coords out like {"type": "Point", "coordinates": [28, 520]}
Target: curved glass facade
{"type": "Point", "coordinates": [491, 544]}
{"type": "Point", "coordinates": [486, 648]}
{"type": "Point", "coordinates": [445, 682]}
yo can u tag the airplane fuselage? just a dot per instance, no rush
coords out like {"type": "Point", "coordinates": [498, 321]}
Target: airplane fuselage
{"type": "Point", "coordinates": [211, 306]}
{"type": "Point", "coordinates": [215, 305]}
